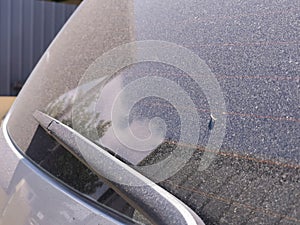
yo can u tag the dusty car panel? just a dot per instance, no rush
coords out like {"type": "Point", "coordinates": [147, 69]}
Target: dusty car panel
{"type": "Point", "coordinates": [30, 197]}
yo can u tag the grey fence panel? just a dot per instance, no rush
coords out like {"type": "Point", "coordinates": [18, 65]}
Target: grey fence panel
{"type": "Point", "coordinates": [38, 30]}
{"type": "Point", "coordinates": [60, 15]}
{"type": "Point", "coordinates": [16, 40]}
{"type": "Point", "coordinates": [5, 39]}
{"type": "Point", "coordinates": [27, 37]}
{"type": "Point", "coordinates": [27, 27]}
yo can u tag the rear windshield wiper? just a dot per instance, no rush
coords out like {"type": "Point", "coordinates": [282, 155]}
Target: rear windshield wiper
{"type": "Point", "coordinates": [154, 202]}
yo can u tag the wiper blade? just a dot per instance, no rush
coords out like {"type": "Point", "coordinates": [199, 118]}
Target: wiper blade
{"type": "Point", "coordinates": [155, 203]}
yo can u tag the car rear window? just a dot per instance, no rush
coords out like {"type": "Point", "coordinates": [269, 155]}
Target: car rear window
{"type": "Point", "coordinates": [208, 88]}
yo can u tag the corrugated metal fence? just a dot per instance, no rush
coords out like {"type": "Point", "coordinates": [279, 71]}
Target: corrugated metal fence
{"type": "Point", "coordinates": [26, 29]}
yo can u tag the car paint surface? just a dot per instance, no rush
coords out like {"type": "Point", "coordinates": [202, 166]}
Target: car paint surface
{"type": "Point", "coordinates": [27, 196]}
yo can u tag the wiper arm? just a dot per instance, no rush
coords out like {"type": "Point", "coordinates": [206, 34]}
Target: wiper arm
{"type": "Point", "coordinates": [155, 203]}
